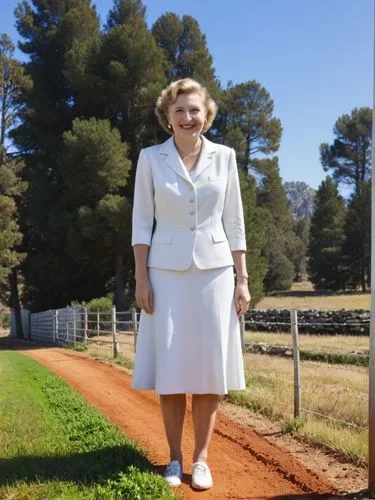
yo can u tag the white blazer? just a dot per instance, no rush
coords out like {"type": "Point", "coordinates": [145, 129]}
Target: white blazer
{"type": "Point", "coordinates": [200, 220]}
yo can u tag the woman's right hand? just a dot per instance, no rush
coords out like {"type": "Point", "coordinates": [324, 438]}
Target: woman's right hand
{"type": "Point", "coordinates": [143, 294]}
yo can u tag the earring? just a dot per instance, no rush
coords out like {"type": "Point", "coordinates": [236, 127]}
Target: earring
{"type": "Point", "coordinates": [169, 125]}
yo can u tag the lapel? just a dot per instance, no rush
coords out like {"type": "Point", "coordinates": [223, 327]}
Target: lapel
{"type": "Point", "coordinates": [172, 158]}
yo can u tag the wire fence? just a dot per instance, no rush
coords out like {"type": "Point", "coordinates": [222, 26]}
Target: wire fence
{"type": "Point", "coordinates": [116, 333]}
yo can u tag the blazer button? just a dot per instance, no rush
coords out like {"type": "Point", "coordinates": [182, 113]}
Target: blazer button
{"type": "Point", "coordinates": [192, 200]}
{"type": "Point", "coordinates": [191, 187]}
{"type": "Point", "coordinates": [192, 228]}
{"type": "Point", "coordinates": [192, 213]}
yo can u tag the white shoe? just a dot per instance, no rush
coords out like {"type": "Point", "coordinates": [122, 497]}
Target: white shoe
{"type": "Point", "coordinates": [201, 478]}
{"type": "Point", "coordinates": [173, 473]}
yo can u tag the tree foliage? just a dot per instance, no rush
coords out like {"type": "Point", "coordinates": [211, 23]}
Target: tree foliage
{"type": "Point", "coordinates": [185, 49]}
{"type": "Point", "coordinates": [246, 122]}
{"type": "Point", "coordinates": [279, 230]}
{"type": "Point", "coordinates": [84, 111]}
{"type": "Point", "coordinates": [349, 160]}
{"type": "Point", "coordinates": [326, 238]}
{"type": "Point", "coordinates": [349, 157]}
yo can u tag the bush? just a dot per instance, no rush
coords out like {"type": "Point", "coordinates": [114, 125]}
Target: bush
{"type": "Point", "coordinates": [100, 304]}
{"type": "Point", "coordinates": [135, 485]}
{"type": "Point", "coordinates": [293, 425]}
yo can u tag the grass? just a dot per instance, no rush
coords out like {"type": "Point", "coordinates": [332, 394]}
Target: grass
{"type": "Point", "coordinates": [317, 343]}
{"type": "Point", "coordinates": [323, 302]}
{"type": "Point", "coordinates": [54, 445]}
{"type": "Point", "coordinates": [340, 349]}
{"type": "Point", "coordinates": [338, 392]}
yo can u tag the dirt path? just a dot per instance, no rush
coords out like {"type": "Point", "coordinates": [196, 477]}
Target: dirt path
{"type": "Point", "coordinates": [244, 465]}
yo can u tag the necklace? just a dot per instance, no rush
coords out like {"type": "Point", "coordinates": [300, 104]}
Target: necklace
{"type": "Point", "coordinates": [192, 152]}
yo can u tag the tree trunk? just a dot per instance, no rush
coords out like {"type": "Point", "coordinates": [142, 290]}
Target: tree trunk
{"type": "Point", "coordinates": [120, 282]}
{"type": "Point", "coordinates": [16, 303]}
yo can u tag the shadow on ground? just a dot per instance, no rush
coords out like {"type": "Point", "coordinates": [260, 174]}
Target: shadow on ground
{"type": "Point", "coordinates": [86, 468]}
{"type": "Point", "coordinates": [22, 344]}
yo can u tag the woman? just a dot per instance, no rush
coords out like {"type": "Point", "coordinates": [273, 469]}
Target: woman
{"type": "Point", "coordinates": [189, 337]}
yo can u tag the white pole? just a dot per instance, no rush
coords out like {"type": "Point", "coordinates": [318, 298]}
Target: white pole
{"type": "Point", "coordinates": [135, 326]}
{"type": "Point", "coordinates": [85, 320]}
{"type": "Point", "coordinates": [371, 423]}
{"type": "Point", "coordinates": [97, 328]}
{"type": "Point", "coordinates": [242, 332]}
{"type": "Point", "coordinates": [114, 334]}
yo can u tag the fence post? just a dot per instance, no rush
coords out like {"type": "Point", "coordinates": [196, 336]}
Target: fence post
{"type": "Point", "coordinates": [115, 343]}
{"type": "Point", "coordinates": [57, 326]}
{"type": "Point", "coordinates": [29, 325]}
{"type": "Point", "coordinates": [74, 327]}
{"type": "Point", "coordinates": [97, 328]}
{"type": "Point", "coordinates": [242, 332]}
{"type": "Point", "coordinates": [135, 326]}
{"type": "Point", "coordinates": [85, 319]}
{"type": "Point", "coordinates": [54, 326]}
{"type": "Point", "coordinates": [297, 374]}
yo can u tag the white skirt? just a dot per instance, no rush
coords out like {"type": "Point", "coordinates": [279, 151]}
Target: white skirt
{"type": "Point", "coordinates": [191, 342]}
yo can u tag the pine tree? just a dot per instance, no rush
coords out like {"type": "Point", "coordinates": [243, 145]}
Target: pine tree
{"type": "Point", "coordinates": [357, 228]}
{"type": "Point", "coordinates": [49, 30]}
{"type": "Point", "coordinates": [279, 230]}
{"type": "Point", "coordinates": [12, 80]}
{"type": "Point", "coordinates": [255, 219]}
{"type": "Point", "coordinates": [246, 121]}
{"type": "Point", "coordinates": [121, 77]}
{"type": "Point", "coordinates": [326, 238]}
{"type": "Point", "coordinates": [185, 49]}
{"type": "Point", "coordinates": [349, 159]}
{"type": "Point", "coordinates": [95, 168]}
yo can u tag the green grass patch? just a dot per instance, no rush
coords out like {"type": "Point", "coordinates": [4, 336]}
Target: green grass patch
{"type": "Point", "coordinates": [54, 445]}
{"type": "Point", "coordinates": [335, 358]}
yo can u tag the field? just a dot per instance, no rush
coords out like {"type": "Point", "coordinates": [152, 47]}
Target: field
{"type": "Point", "coordinates": [327, 302]}
{"type": "Point", "coordinates": [53, 445]}
{"type": "Point", "coordinates": [319, 343]}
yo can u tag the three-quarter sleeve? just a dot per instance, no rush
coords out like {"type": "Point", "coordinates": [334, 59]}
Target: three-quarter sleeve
{"type": "Point", "coordinates": [143, 204]}
{"type": "Point", "coordinates": [233, 219]}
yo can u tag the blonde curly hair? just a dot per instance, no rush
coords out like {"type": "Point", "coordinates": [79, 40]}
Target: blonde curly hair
{"type": "Point", "coordinates": [170, 94]}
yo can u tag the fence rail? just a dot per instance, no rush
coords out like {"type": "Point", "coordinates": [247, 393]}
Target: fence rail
{"type": "Point", "coordinates": [78, 326]}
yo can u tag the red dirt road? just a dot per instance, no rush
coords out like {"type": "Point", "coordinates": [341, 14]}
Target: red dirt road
{"type": "Point", "coordinates": [244, 465]}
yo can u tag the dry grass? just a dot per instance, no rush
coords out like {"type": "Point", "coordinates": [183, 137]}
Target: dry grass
{"type": "Point", "coordinates": [318, 343]}
{"type": "Point", "coordinates": [323, 302]}
{"type": "Point", "coordinates": [340, 392]}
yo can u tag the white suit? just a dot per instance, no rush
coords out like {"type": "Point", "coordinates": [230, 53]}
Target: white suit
{"type": "Point", "coordinates": [191, 341]}
{"type": "Point", "coordinates": [201, 220]}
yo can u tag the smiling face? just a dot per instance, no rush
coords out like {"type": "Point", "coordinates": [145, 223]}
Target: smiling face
{"type": "Point", "coordinates": [187, 115]}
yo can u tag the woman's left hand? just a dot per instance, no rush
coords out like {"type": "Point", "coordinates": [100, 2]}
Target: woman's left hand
{"type": "Point", "coordinates": [241, 298]}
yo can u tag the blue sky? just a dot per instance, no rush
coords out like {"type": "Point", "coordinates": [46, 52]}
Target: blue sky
{"type": "Point", "coordinates": [314, 57]}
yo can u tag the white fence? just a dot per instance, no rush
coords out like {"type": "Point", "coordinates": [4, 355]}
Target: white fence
{"type": "Point", "coordinates": [72, 326]}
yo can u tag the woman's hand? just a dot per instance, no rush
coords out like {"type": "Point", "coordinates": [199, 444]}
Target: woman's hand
{"type": "Point", "coordinates": [143, 294]}
{"type": "Point", "coordinates": [242, 298]}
